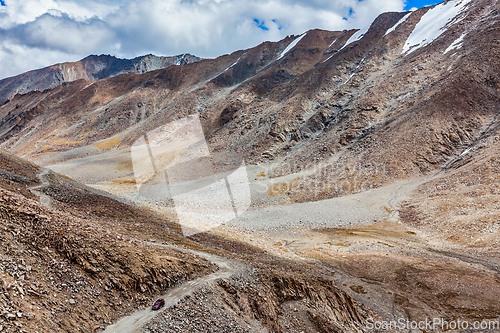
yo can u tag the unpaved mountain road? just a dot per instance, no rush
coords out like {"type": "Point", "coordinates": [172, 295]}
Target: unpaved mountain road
{"type": "Point", "coordinates": [136, 320]}
{"type": "Point", "coordinates": [42, 176]}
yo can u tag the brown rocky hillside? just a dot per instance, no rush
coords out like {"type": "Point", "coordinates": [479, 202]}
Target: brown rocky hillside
{"type": "Point", "coordinates": [77, 265]}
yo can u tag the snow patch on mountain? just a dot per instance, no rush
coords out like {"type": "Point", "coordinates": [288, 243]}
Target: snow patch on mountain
{"type": "Point", "coordinates": [456, 44]}
{"type": "Point", "coordinates": [232, 65]}
{"type": "Point", "coordinates": [433, 24]}
{"type": "Point", "coordinates": [391, 29]}
{"type": "Point", "coordinates": [229, 66]}
{"type": "Point", "coordinates": [179, 60]}
{"type": "Point", "coordinates": [328, 48]}
{"type": "Point", "coordinates": [357, 36]}
{"type": "Point", "coordinates": [328, 58]}
{"type": "Point", "coordinates": [355, 71]}
{"type": "Point", "coordinates": [291, 45]}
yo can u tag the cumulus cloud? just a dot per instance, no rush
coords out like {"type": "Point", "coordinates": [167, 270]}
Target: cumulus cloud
{"type": "Point", "coordinates": [61, 33]}
{"type": "Point", "coordinates": [37, 33]}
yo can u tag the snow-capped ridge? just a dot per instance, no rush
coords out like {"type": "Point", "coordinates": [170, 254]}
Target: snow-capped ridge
{"type": "Point", "coordinates": [433, 24]}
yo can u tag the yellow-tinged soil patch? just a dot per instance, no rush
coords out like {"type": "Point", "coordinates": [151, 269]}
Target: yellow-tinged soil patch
{"type": "Point", "coordinates": [108, 144]}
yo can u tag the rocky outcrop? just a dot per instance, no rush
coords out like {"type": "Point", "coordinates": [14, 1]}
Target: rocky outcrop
{"type": "Point", "coordinates": [265, 301]}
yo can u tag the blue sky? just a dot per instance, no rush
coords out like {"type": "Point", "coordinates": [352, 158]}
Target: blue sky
{"type": "Point", "coordinates": [39, 33]}
{"type": "Point", "coordinates": [419, 3]}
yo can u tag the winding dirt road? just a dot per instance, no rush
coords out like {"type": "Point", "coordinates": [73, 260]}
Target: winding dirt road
{"type": "Point", "coordinates": [42, 176]}
{"type": "Point", "coordinates": [136, 320]}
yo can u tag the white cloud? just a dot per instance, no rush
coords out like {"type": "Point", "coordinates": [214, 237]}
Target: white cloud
{"type": "Point", "coordinates": [24, 11]}
{"type": "Point", "coordinates": [36, 33]}
{"type": "Point", "coordinates": [63, 34]}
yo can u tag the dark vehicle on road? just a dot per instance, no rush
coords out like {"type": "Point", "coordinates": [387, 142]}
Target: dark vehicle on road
{"type": "Point", "coordinates": [158, 304]}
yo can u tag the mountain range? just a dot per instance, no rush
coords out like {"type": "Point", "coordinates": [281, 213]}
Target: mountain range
{"type": "Point", "coordinates": [91, 68]}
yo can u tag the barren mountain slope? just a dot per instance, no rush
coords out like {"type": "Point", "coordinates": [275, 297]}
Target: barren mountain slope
{"type": "Point", "coordinates": [462, 203]}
